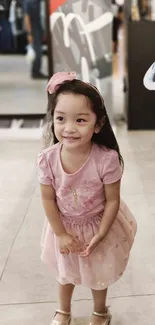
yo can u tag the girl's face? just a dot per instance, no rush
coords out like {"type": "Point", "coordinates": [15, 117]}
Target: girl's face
{"type": "Point", "coordinates": [74, 121]}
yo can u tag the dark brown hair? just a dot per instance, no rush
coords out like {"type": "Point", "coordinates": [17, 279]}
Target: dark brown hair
{"type": "Point", "coordinates": [106, 135]}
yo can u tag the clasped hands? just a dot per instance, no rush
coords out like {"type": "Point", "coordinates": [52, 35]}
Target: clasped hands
{"type": "Point", "coordinates": [70, 244]}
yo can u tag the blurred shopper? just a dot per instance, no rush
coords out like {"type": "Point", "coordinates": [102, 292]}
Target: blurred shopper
{"type": "Point", "coordinates": [117, 8]}
{"type": "Point", "coordinates": [32, 19]}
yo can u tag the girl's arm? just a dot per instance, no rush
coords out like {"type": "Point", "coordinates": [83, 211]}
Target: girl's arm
{"type": "Point", "coordinates": [51, 209]}
{"type": "Point", "coordinates": [67, 243]}
{"type": "Point", "coordinates": [112, 195]}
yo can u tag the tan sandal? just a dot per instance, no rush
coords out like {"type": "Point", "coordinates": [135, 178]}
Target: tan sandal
{"type": "Point", "coordinates": [106, 315]}
{"type": "Point", "coordinates": [65, 322]}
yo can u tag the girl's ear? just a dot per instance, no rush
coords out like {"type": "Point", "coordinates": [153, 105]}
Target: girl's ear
{"type": "Point", "coordinates": [98, 126]}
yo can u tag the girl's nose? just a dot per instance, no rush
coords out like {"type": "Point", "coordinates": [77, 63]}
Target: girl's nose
{"type": "Point", "coordinates": [70, 128]}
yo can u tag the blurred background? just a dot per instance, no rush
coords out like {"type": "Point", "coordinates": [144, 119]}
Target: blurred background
{"type": "Point", "coordinates": [106, 43]}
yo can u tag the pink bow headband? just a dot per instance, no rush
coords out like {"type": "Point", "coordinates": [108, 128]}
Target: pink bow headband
{"type": "Point", "coordinates": [58, 79]}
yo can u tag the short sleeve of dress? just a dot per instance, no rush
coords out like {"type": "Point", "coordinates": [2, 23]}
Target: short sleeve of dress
{"type": "Point", "coordinates": [112, 170]}
{"type": "Point", "coordinates": [44, 173]}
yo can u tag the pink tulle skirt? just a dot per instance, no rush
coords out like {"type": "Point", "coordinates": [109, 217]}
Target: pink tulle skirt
{"type": "Point", "coordinates": [106, 263]}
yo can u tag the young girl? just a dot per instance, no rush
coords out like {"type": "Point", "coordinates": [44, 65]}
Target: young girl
{"type": "Point", "coordinates": [90, 232]}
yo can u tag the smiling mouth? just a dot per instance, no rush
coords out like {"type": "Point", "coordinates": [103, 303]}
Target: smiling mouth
{"type": "Point", "coordinates": [71, 138]}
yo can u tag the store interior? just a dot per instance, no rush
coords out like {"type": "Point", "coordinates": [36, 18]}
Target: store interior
{"type": "Point", "coordinates": [23, 102]}
{"type": "Point", "coordinates": [124, 50]}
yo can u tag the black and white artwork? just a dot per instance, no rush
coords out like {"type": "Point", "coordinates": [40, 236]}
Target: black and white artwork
{"type": "Point", "coordinates": [81, 32]}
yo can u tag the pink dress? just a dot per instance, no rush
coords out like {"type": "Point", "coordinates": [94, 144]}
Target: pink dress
{"type": "Point", "coordinates": [81, 201]}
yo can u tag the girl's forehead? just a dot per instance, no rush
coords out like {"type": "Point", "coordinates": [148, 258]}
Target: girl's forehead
{"type": "Point", "coordinates": [73, 102]}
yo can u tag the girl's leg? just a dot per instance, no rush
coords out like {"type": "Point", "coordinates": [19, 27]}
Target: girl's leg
{"type": "Point", "coordinates": [65, 296]}
{"type": "Point", "coordinates": [99, 297]}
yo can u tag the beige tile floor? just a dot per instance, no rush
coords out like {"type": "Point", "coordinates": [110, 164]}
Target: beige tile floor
{"type": "Point", "coordinates": [28, 294]}
{"type": "Point", "coordinates": [19, 94]}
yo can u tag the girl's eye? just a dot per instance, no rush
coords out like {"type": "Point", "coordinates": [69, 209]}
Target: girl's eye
{"type": "Point", "coordinates": [60, 118]}
{"type": "Point", "coordinates": [79, 120]}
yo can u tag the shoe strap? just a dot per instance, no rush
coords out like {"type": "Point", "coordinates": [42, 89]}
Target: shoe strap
{"type": "Point", "coordinates": [107, 314]}
{"type": "Point", "coordinates": [59, 311]}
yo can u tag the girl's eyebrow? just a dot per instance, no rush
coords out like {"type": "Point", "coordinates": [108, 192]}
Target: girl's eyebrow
{"type": "Point", "coordinates": [82, 114]}
{"type": "Point", "coordinates": [59, 112]}
{"type": "Point", "coordinates": [79, 114]}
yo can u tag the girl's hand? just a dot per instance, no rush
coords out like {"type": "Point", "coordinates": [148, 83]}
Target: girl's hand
{"type": "Point", "coordinates": [93, 244]}
{"type": "Point", "coordinates": [68, 244]}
